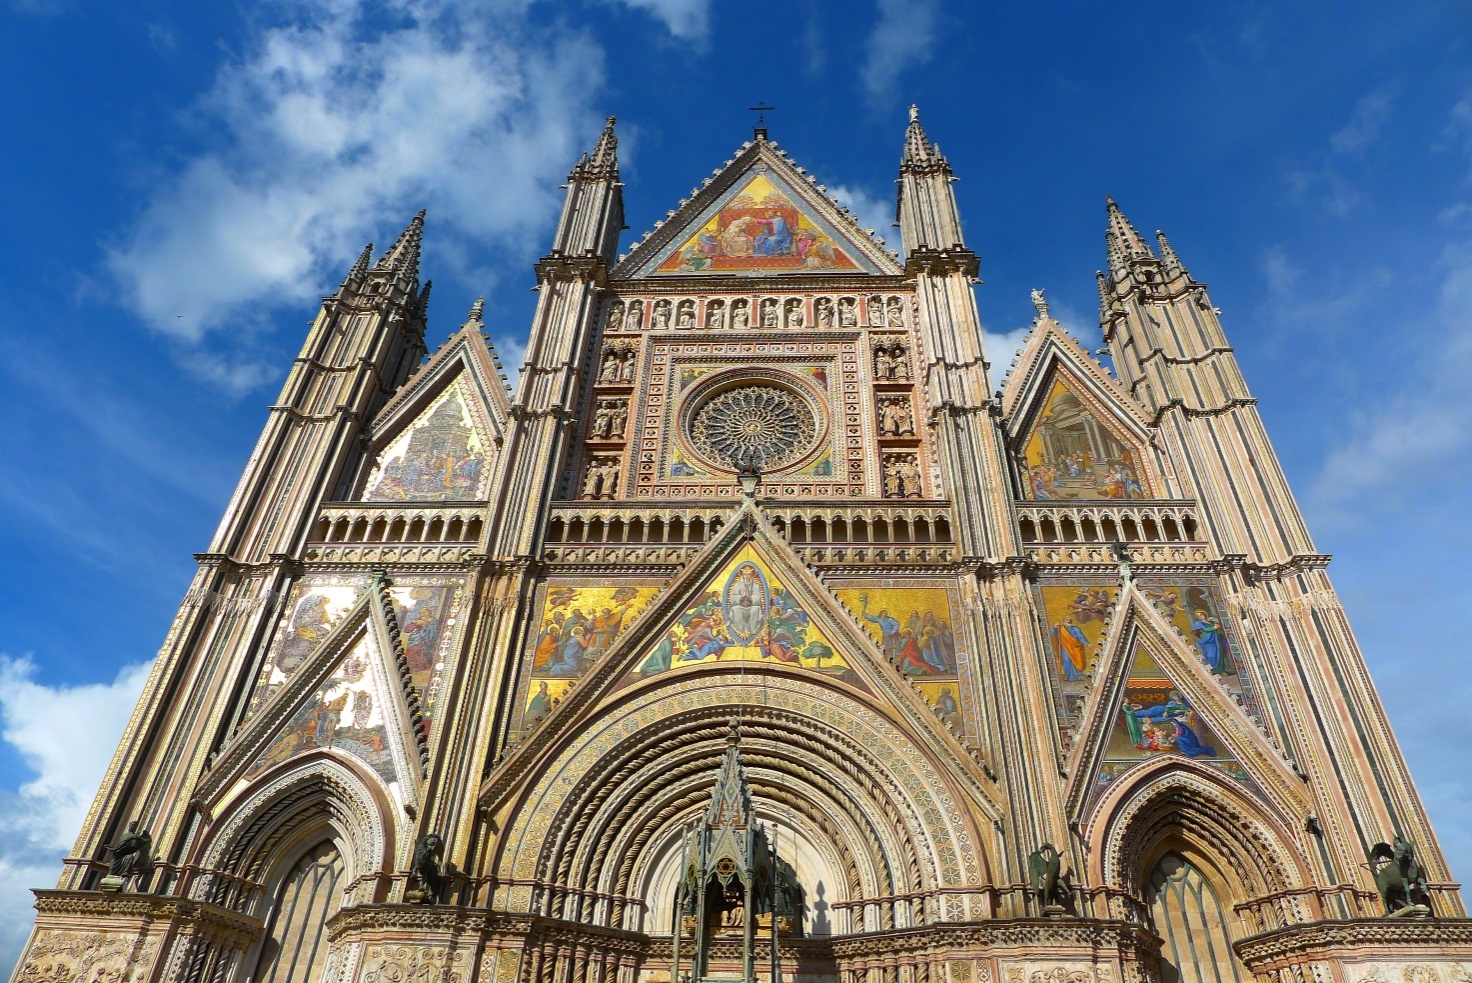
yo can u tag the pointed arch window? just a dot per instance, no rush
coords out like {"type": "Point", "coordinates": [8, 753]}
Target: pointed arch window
{"type": "Point", "coordinates": [295, 949]}
{"type": "Point", "coordinates": [1190, 917]}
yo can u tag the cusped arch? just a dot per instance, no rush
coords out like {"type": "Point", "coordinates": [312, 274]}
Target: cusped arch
{"type": "Point", "coordinates": [1184, 807]}
{"type": "Point", "coordinates": [316, 795]}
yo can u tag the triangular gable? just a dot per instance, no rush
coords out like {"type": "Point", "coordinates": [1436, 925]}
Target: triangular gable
{"type": "Point", "coordinates": [352, 696]}
{"type": "Point", "coordinates": [1074, 433]}
{"type": "Point", "coordinates": [746, 613]}
{"type": "Point", "coordinates": [760, 216]}
{"type": "Point", "coordinates": [437, 439]}
{"type": "Point", "coordinates": [1156, 697]}
{"type": "Point", "coordinates": [856, 662]}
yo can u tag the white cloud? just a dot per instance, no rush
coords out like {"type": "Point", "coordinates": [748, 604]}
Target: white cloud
{"type": "Point", "coordinates": [902, 38]}
{"type": "Point", "coordinates": [872, 211]}
{"type": "Point", "coordinates": [1423, 428]}
{"type": "Point", "coordinates": [1365, 126]}
{"type": "Point", "coordinates": [336, 128]}
{"type": "Point", "coordinates": [688, 20]}
{"type": "Point", "coordinates": [66, 735]}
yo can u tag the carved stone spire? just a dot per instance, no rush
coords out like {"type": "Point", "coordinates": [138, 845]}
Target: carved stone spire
{"type": "Point", "coordinates": [1125, 244]}
{"type": "Point", "coordinates": [403, 255]}
{"type": "Point", "coordinates": [477, 311]}
{"type": "Point", "coordinates": [602, 162]}
{"type": "Point", "coordinates": [360, 268]}
{"type": "Point", "coordinates": [921, 156]}
{"type": "Point", "coordinates": [1169, 260]}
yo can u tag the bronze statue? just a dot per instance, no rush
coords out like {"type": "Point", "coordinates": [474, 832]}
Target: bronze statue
{"type": "Point", "coordinates": [1401, 881]}
{"type": "Point", "coordinates": [426, 867]}
{"type": "Point", "coordinates": [131, 855]}
{"type": "Point", "coordinates": [1049, 884]}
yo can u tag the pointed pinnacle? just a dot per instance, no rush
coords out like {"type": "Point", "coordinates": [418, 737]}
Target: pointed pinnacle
{"type": "Point", "coordinates": [920, 155]}
{"type": "Point", "coordinates": [421, 306]}
{"type": "Point", "coordinates": [1168, 254]}
{"type": "Point", "coordinates": [360, 268]}
{"type": "Point", "coordinates": [477, 311]}
{"type": "Point", "coordinates": [602, 162]}
{"type": "Point", "coordinates": [403, 255]}
{"type": "Point", "coordinates": [1125, 244]}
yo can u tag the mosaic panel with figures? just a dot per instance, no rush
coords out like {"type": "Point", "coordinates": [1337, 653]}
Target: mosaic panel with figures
{"type": "Point", "coordinates": [745, 614]}
{"type": "Point", "coordinates": [579, 623]}
{"type": "Point", "coordinates": [314, 606]}
{"type": "Point", "coordinates": [809, 388]}
{"type": "Point", "coordinates": [350, 712]}
{"type": "Point", "coordinates": [441, 456]}
{"type": "Point", "coordinates": [428, 610]}
{"type": "Point", "coordinates": [912, 623]}
{"type": "Point", "coordinates": [1153, 717]}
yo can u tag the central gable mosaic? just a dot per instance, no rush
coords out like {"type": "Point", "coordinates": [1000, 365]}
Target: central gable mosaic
{"type": "Point", "coordinates": [761, 225]}
{"type": "Point", "coordinates": [746, 614]}
{"type": "Point", "coordinates": [441, 456]}
{"type": "Point", "coordinates": [1074, 453]}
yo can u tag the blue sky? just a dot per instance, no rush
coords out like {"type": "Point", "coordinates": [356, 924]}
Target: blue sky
{"type": "Point", "coordinates": [183, 181]}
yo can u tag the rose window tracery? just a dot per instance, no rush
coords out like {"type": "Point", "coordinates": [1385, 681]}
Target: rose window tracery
{"type": "Point", "coordinates": [764, 426]}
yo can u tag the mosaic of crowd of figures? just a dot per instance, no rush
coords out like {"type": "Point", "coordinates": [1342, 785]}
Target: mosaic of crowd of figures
{"type": "Point", "coordinates": [761, 225]}
{"type": "Point", "coordinates": [440, 457]}
{"type": "Point", "coordinates": [912, 626]}
{"type": "Point", "coordinates": [1152, 717]}
{"type": "Point", "coordinates": [745, 614]}
{"type": "Point", "coordinates": [579, 624]}
{"type": "Point", "coordinates": [426, 610]}
{"type": "Point", "coordinates": [1072, 452]}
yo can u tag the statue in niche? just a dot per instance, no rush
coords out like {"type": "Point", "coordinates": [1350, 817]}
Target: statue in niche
{"type": "Point", "coordinates": [715, 315]}
{"type": "Point", "coordinates": [876, 312]}
{"type": "Point", "coordinates": [895, 418]}
{"type": "Point", "coordinates": [901, 477]}
{"type": "Point", "coordinates": [769, 313]}
{"type": "Point", "coordinates": [896, 315]}
{"type": "Point", "coordinates": [848, 315]}
{"type": "Point", "coordinates": [739, 316]}
{"type": "Point", "coordinates": [602, 478]}
{"type": "Point", "coordinates": [661, 314]}
{"type": "Point", "coordinates": [616, 314]}
{"type": "Point", "coordinates": [901, 362]}
{"type": "Point", "coordinates": [824, 308]}
{"type": "Point", "coordinates": [636, 315]}
{"type": "Point", "coordinates": [626, 370]}
{"type": "Point", "coordinates": [687, 315]}
{"type": "Point", "coordinates": [883, 364]}
{"type": "Point", "coordinates": [610, 370]}
{"type": "Point", "coordinates": [603, 419]}
{"type": "Point", "coordinates": [620, 419]}
{"type": "Point", "coordinates": [795, 317]}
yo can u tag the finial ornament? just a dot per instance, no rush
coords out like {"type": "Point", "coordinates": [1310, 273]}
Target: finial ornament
{"type": "Point", "coordinates": [914, 113]}
{"type": "Point", "coordinates": [1039, 303]}
{"type": "Point", "coordinates": [477, 310]}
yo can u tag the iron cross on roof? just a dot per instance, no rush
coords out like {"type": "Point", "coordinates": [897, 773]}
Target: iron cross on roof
{"type": "Point", "coordinates": [759, 132]}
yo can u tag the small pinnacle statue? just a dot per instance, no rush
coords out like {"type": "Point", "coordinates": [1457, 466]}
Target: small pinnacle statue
{"type": "Point", "coordinates": [1401, 880]}
{"type": "Point", "coordinates": [1049, 884]}
{"type": "Point", "coordinates": [427, 870]}
{"type": "Point", "coordinates": [1039, 303]}
{"type": "Point", "coordinates": [132, 855]}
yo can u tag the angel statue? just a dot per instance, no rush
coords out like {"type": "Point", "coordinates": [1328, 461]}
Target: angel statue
{"type": "Point", "coordinates": [133, 854]}
{"type": "Point", "coordinates": [1039, 302]}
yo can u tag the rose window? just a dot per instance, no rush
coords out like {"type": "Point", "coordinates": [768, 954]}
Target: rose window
{"type": "Point", "coordinates": [753, 426]}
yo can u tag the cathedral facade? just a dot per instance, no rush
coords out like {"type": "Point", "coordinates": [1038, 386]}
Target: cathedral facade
{"type": "Point", "coordinates": [756, 635]}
